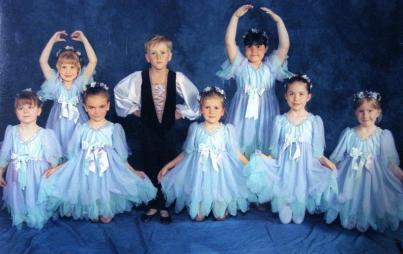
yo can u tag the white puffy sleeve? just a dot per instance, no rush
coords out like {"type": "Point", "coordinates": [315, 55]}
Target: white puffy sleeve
{"type": "Point", "coordinates": [128, 94]}
{"type": "Point", "coordinates": [188, 91]}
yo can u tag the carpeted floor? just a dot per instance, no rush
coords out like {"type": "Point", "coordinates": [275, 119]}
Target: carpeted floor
{"type": "Point", "coordinates": [254, 232]}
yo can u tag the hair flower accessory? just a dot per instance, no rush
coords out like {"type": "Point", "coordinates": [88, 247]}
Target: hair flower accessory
{"type": "Point", "coordinates": [367, 95]}
{"type": "Point", "coordinates": [306, 78]}
{"type": "Point", "coordinates": [68, 48]}
{"type": "Point", "coordinates": [96, 84]}
{"type": "Point", "coordinates": [24, 91]}
{"type": "Point", "coordinates": [215, 89]}
{"type": "Point", "coordinates": [255, 31]}
{"type": "Point", "coordinates": [299, 77]}
{"type": "Point", "coordinates": [211, 89]}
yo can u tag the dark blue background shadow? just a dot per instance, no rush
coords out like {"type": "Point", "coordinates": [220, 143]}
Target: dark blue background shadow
{"type": "Point", "coordinates": [345, 46]}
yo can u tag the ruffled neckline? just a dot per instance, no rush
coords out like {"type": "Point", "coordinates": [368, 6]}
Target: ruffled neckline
{"type": "Point", "coordinates": [308, 117]}
{"type": "Point", "coordinates": [213, 132]}
{"type": "Point", "coordinates": [371, 136]}
{"type": "Point", "coordinates": [107, 124]}
{"type": "Point", "coordinates": [31, 138]}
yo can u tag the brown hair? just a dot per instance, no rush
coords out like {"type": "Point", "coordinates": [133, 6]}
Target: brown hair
{"type": "Point", "coordinates": [26, 97]}
{"type": "Point", "coordinates": [95, 88]}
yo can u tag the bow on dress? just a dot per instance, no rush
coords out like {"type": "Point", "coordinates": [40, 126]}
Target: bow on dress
{"type": "Point", "coordinates": [20, 164]}
{"type": "Point", "coordinates": [209, 152]}
{"type": "Point", "coordinates": [96, 157]}
{"type": "Point", "coordinates": [291, 140]}
{"type": "Point", "coordinates": [361, 160]}
{"type": "Point", "coordinates": [252, 108]}
{"type": "Point", "coordinates": [69, 108]}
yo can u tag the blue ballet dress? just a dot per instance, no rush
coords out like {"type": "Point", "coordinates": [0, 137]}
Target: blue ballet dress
{"type": "Point", "coordinates": [67, 109]}
{"type": "Point", "coordinates": [254, 105]}
{"type": "Point", "coordinates": [26, 161]}
{"type": "Point", "coordinates": [295, 180]}
{"type": "Point", "coordinates": [371, 196]}
{"type": "Point", "coordinates": [95, 181]}
{"type": "Point", "coordinates": [210, 177]}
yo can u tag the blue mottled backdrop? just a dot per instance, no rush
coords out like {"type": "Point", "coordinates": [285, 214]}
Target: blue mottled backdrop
{"type": "Point", "coordinates": [345, 46]}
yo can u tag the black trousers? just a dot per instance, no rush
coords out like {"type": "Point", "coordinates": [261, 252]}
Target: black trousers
{"type": "Point", "coordinates": [158, 148]}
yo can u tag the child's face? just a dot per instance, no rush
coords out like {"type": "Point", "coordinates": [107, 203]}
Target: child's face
{"type": "Point", "coordinates": [158, 56]}
{"type": "Point", "coordinates": [68, 72]}
{"type": "Point", "coordinates": [367, 114]}
{"type": "Point", "coordinates": [27, 113]}
{"type": "Point", "coordinates": [212, 109]}
{"type": "Point", "coordinates": [97, 106]}
{"type": "Point", "coordinates": [255, 53]}
{"type": "Point", "coordinates": [297, 96]}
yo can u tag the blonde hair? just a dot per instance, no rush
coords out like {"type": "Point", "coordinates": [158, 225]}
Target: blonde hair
{"type": "Point", "coordinates": [374, 103]}
{"type": "Point", "coordinates": [68, 57]}
{"type": "Point", "coordinates": [157, 39]}
{"type": "Point", "coordinates": [212, 92]}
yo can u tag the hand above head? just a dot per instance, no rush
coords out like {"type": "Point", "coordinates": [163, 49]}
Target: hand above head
{"type": "Point", "coordinates": [77, 36]}
{"type": "Point", "coordinates": [242, 10]}
{"type": "Point", "coordinates": [58, 36]}
{"type": "Point", "coordinates": [276, 18]}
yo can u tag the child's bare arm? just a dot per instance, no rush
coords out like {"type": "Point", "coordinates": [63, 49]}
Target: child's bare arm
{"type": "Point", "coordinates": [242, 158]}
{"type": "Point", "coordinates": [139, 173]}
{"type": "Point", "coordinates": [44, 58]}
{"type": "Point", "coordinates": [92, 57]}
{"type": "Point", "coordinates": [2, 181]}
{"type": "Point", "coordinates": [230, 43]}
{"type": "Point", "coordinates": [170, 165]}
{"type": "Point", "coordinates": [327, 163]}
{"type": "Point", "coordinates": [51, 171]}
{"type": "Point", "coordinates": [283, 38]}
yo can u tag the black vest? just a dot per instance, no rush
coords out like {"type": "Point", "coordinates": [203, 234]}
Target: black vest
{"type": "Point", "coordinates": [148, 114]}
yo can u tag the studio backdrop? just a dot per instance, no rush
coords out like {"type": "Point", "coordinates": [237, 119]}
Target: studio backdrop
{"type": "Point", "coordinates": [344, 46]}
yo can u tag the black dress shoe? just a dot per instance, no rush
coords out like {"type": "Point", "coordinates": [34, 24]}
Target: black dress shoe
{"type": "Point", "coordinates": [145, 217]}
{"type": "Point", "coordinates": [165, 219]}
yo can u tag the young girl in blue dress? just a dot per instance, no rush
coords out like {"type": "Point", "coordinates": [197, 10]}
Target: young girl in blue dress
{"type": "Point", "coordinates": [369, 178]}
{"type": "Point", "coordinates": [27, 151]}
{"type": "Point", "coordinates": [296, 176]}
{"type": "Point", "coordinates": [64, 86]}
{"type": "Point", "coordinates": [96, 182]}
{"type": "Point", "coordinates": [208, 175]}
{"type": "Point", "coordinates": [255, 104]}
